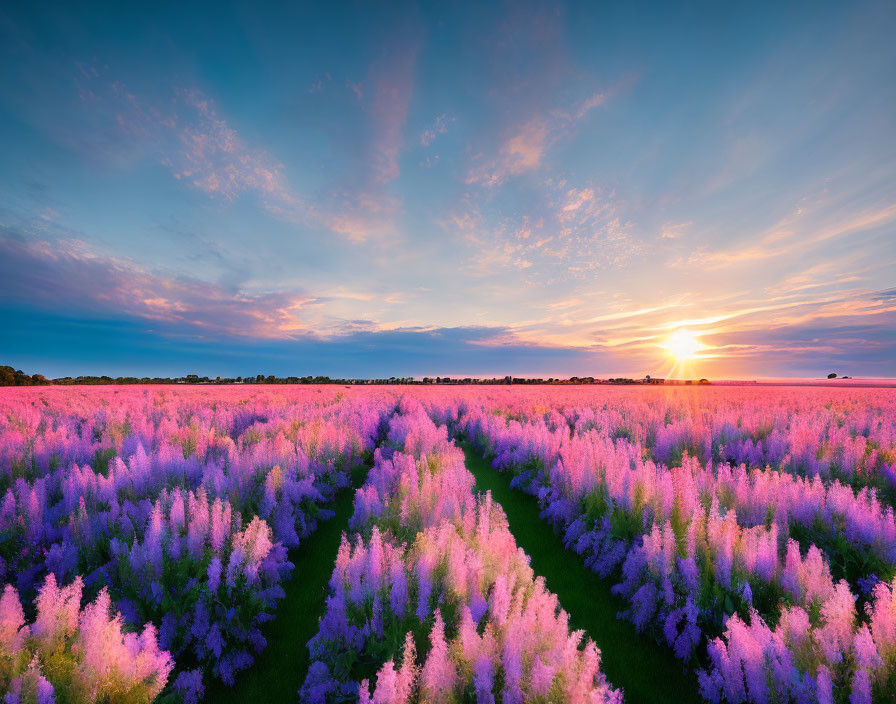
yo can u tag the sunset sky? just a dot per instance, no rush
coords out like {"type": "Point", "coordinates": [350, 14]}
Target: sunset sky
{"type": "Point", "coordinates": [372, 189]}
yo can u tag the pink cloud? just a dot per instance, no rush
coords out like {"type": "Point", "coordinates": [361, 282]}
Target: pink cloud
{"type": "Point", "coordinates": [356, 88]}
{"type": "Point", "coordinates": [575, 232]}
{"type": "Point", "coordinates": [216, 160]}
{"type": "Point", "coordinates": [362, 217]}
{"type": "Point", "coordinates": [198, 146]}
{"type": "Point", "coordinates": [392, 82]}
{"type": "Point", "coordinates": [577, 199]}
{"type": "Point", "coordinates": [525, 147]}
{"type": "Point", "coordinates": [67, 276]}
{"type": "Point", "coordinates": [439, 126]}
{"type": "Point", "coordinates": [797, 234]}
{"type": "Point", "coordinates": [674, 230]}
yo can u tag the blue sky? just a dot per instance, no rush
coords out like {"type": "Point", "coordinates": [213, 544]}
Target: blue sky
{"type": "Point", "coordinates": [376, 189]}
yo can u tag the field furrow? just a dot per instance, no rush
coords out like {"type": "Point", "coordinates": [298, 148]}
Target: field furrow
{"type": "Point", "coordinates": [282, 666]}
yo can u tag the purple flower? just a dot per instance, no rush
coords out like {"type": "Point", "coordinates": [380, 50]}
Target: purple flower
{"type": "Point", "coordinates": [213, 640]}
{"type": "Point", "coordinates": [214, 574]}
{"type": "Point", "coordinates": [398, 594]}
{"type": "Point", "coordinates": [189, 685]}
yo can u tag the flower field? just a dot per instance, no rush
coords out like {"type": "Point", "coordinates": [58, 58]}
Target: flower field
{"type": "Point", "coordinates": [146, 536]}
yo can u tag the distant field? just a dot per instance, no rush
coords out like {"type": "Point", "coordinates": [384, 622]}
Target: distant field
{"type": "Point", "coordinates": [731, 542]}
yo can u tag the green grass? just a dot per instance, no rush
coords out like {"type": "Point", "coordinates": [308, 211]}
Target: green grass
{"type": "Point", "coordinates": [280, 669]}
{"type": "Point", "coordinates": [644, 670]}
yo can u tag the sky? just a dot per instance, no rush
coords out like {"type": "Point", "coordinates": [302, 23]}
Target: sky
{"type": "Point", "coordinates": [376, 189]}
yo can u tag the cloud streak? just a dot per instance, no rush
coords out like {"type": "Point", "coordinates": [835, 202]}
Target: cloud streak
{"type": "Point", "coordinates": [524, 147]}
{"type": "Point", "coordinates": [68, 276]}
{"type": "Point", "coordinates": [199, 147]}
{"type": "Point", "coordinates": [392, 82]}
{"type": "Point", "coordinates": [795, 234]}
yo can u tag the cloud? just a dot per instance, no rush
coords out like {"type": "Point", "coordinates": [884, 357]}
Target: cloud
{"type": "Point", "coordinates": [674, 230]}
{"type": "Point", "coordinates": [69, 281]}
{"type": "Point", "coordinates": [319, 83]}
{"type": "Point", "coordinates": [577, 199]}
{"type": "Point", "coordinates": [843, 345]}
{"type": "Point", "coordinates": [392, 81]}
{"type": "Point", "coordinates": [743, 336]}
{"type": "Point", "coordinates": [122, 348]}
{"type": "Point", "coordinates": [796, 234]}
{"type": "Point", "coordinates": [67, 276]}
{"type": "Point", "coordinates": [524, 147]}
{"type": "Point", "coordinates": [566, 234]}
{"type": "Point", "coordinates": [187, 134]}
{"type": "Point", "coordinates": [198, 146]}
{"type": "Point", "coordinates": [114, 317]}
{"type": "Point", "coordinates": [439, 126]}
{"type": "Point", "coordinates": [362, 216]}
{"type": "Point", "coordinates": [216, 160]}
{"type": "Point", "coordinates": [357, 89]}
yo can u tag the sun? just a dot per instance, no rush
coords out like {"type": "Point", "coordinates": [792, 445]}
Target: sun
{"type": "Point", "coordinates": [683, 345]}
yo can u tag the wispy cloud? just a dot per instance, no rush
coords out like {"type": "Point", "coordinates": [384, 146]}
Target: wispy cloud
{"type": "Point", "coordinates": [733, 332]}
{"type": "Point", "coordinates": [570, 233]}
{"type": "Point", "coordinates": [215, 159]}
{"type": "Point", "coordinates": [524, 147]}
{"type": "Point", "coordinates": [199, 147]}
{"type": "Point", "coordinates": [84, 292]}
{"type": "Point", "coordinates": [795, 234]}
{"type": "Point", "coordinates": [187, 134]}
{"type": "Point", "coordinates": [674, 230]}
{"type": "Point", "coordinates": [392, 82]}
{"type": "Point", "coordinates": [438, 126]}
{"type": "Point", "coordinates": [357, 88]}
{"type": "Point", "coordinates": [361, 215]}
{"type": "Point", "coordinates": [319, 83]}
{"type": "Point", "coordinates": [71, 278]}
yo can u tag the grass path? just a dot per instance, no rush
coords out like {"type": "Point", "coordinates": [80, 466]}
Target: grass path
{"type": "Point", "coordinates": [280, 669]}
{"type": "Point", "coordinates": [646, 672]}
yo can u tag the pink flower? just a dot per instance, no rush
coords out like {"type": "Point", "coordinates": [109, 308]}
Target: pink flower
{"type": "Point", "coordinates": [13, 630]}
{"type": "Point", "coordinates": [57, 610]}
{"type": "Point", "coordinates": [438, 673]}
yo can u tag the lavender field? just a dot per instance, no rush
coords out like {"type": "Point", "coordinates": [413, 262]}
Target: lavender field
{"type": "Point", "coordinates": [146, 536]}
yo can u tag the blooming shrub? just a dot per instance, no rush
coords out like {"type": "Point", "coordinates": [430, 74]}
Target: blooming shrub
{"type": "Point", "coordinates": [76, 655]}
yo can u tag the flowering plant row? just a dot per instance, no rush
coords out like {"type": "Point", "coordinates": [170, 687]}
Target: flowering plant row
{"type": "Point", "coordinates": [750, 529]}
{"type": "Point", "coordinates": [703, 551]}
{"type": "Point", "coordinates": [438, 603]}
{"type": "Point", "coordinates": [845, 434]}
{"type": "Point", "coordinates": [183, 503]}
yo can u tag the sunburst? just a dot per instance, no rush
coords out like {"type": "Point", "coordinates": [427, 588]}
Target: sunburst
{"type": "Point", "coordinates": [683, 345]}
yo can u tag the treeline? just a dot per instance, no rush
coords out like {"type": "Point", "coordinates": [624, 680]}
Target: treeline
{"type": "Point", "coordinates": [16, 377]}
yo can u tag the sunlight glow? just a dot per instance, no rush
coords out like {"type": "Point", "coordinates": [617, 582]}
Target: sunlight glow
{"type": "Point", "coordinates": [683, 345]}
